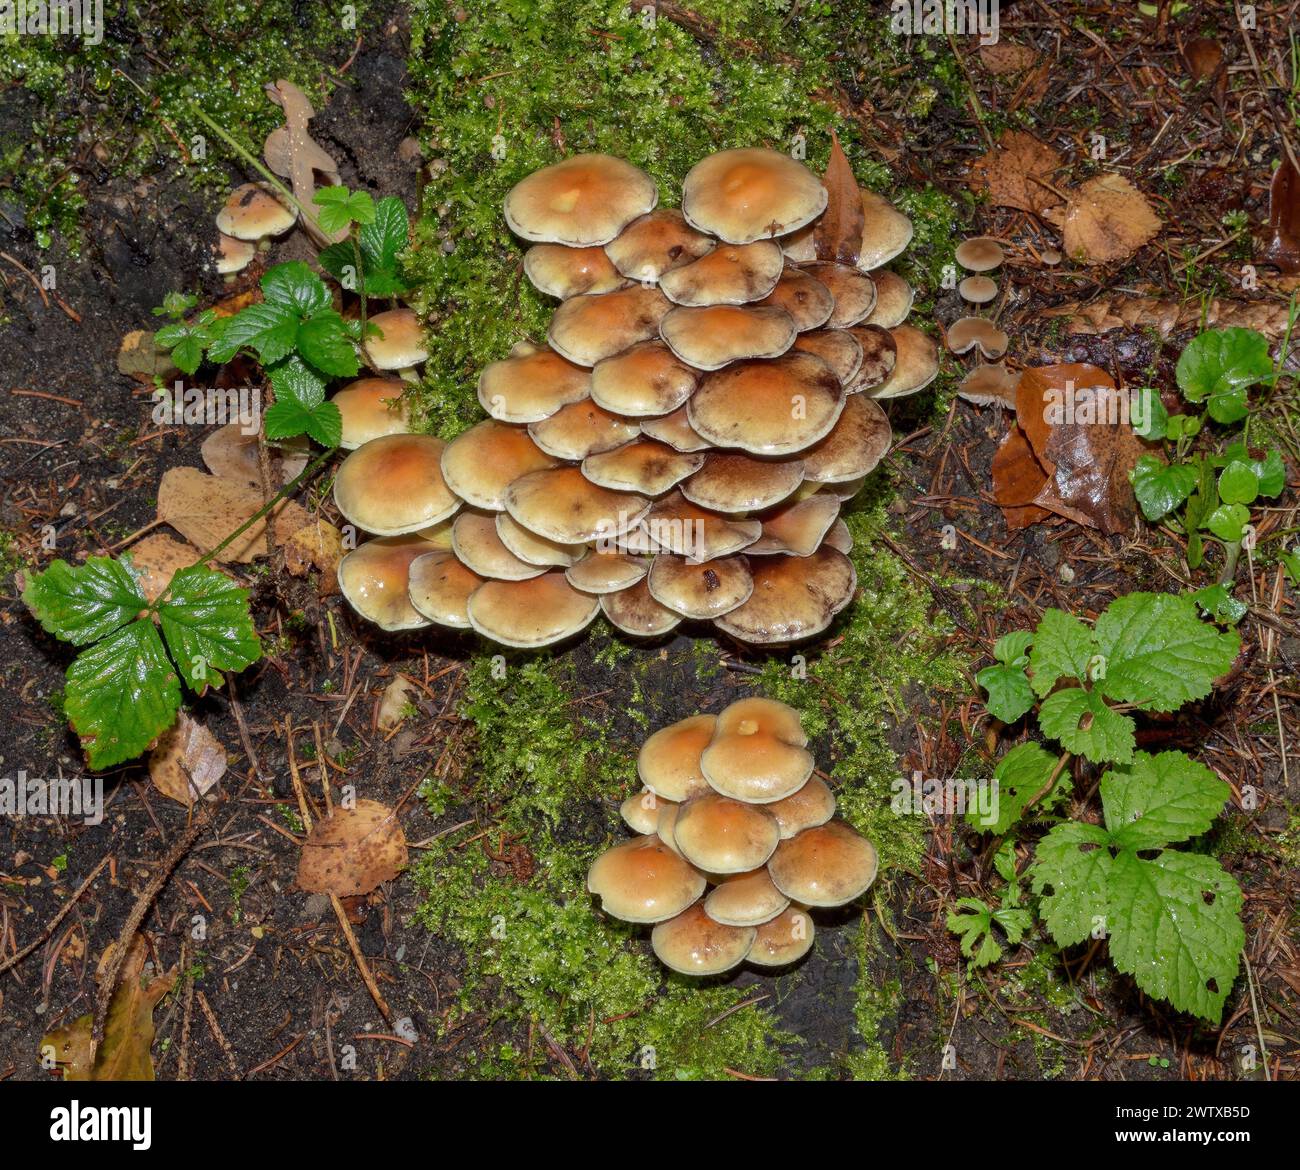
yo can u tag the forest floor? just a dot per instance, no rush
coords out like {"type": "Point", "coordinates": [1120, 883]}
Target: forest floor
{"type": "Point", "coordinates": [508, 774]}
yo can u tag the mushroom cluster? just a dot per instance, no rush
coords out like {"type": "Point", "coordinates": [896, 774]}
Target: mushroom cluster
{"type": "Point", "coordinates": [735, 843]}
{"type": "Point", "coordinates": [682, 444]}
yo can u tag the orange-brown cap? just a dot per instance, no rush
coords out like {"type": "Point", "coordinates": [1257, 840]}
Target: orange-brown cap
{"type": "Point", "coordinates": [812, 805]}
{"type": "Point", "coordinates": [635, 612]}
{"type": "Point", "coordinates": [917, 364]}
{"type": "Point", "coordinates": [693, 944]}
{"type": "Point", "coordinates": [534, 549]}
{"type": "Point", "coordinates": [854, 292]}
{"type": "Point", "coordinates": [751, 194]}
{"type": "Point", "coordinates": [838, 348]}
{"type": "Point", "coordinates": [646, 379]}
{"type": "Point", "coordinates": [371, 407]}
{"type": "Point", "coordinates": [399, 342]}
{"type": "Point", "coordinates": [531, 384]}
{"type": "Point", "coordinates": [675, 524]}
{"type": "Point", "coordinates": [607, 571]}
{"type": "Point", "coordinates": [531, 613]}
{"type": "Point", "coordinates": [657, 243]}
{"type": "Point", "coordinates": [477, 546]}
{"type": "Point", "coordinates": [640, 811]}
{"type": "Point", "coordinates": [886, 231]}
{"type": "Point", "coordinates": [721, 835]}
{"type": "Point", "coordinates": [642, 880]}
{"type": "Point", "coordinates": [797, 528]}
{"type": "Point", "coordinates": [793, 598]}
{"type": "Point", "coordinates": [757, 753]}
{"type": "Point", "coordinates": [879, 357]}
{"type": "Point", "coordinates": [745, 899]}
{"type": "Point", "coordinates": [253, 212]}
{"type": "Point", "coordinates": [563, 272]}
{"type": "Point", "coordinates": [582, 428]}
{"type": "Point", "coordinates": [675, 429]}
{"type": "Point", "coordinates": [440, 588]}
{"type": "Point", "coordinates": [669, 761]}
{"type": "Point", "coordinates": [857, 442]}
{"type": "Point", "coordinates": [582, 201]}
{"type": "Point", "coordinates": [700, 590]}
{"type": "Point", "coordinates": [393, 485]}
{"type": "Point", "coordinates": [374, 578]}
{"type": "Point", "coordinates": [809, 302]}
{"type": "Point", "coordinates": [828, 865]}
{"type": "Point", "coordinates": [589, 328]}
{"type": "Point", "coordinates": [564, 505]}
{"type": "Point", "coordinates": [730, 481]}
{"type": "Point", "coordinates": [894, 298]}
{"type": "Point", "coordinates": [231, 255]}
{"type": "Point", "coordinates": [708, 338]}
{"type": "Point", "coordinates": [644, 465]}
{"type": "Point", "coordinates": [482, 462]}
{"type": "Point", "coordinates": [782, 940]}
{"type": "Point", "coordinates": [732, 274]}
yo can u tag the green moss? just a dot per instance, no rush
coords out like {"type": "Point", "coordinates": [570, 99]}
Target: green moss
{"type": "Point", "coordinates": [873, 1003]}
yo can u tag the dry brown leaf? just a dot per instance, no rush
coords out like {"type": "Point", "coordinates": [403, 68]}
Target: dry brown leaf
{"type": "Point", "coordinates": [352, 851]}
{"type": "Point", "coordinates": [205, 509]}
{"type": "Point", "coordinates": [395, 703]}
{"type": "Point", "coordinates": [232, 452]}
{"type": "Point", "coordinates": [838, 233]}
{"type": "Point", "coordinates": [1007, 57]}
{"type": "Point", "coordinates": [1283, 247]}
{"type": "Point", "coordinates": [1169, 316]}
{"type": "Point", "coordinates": [1016, 172]}
{"type": "Point", "coordinates": [140, 358]}
{"type": "Point", "coordinates": [1203, 55]}
{"type": "Point", "coordinates": [156, 558]}
{"type": "Point", "coordinates": [1018, 477]}
{"type": "Point", "coordinates": [124, 1053]}
{"type": "Point", "coordinates": [187, 761]}
{"type": "Point", "coordinates": [316, 545]}
{"type": "Point", "coordinates": [1107, 219]}
{"type": "Point", "coordinates": [291, 151]}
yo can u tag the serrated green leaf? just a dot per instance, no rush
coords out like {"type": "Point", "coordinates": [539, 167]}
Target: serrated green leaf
{"type": "Point", "coordinates": [341, 208]}
{"type": "Point", "coordinates": [1160, 800]}
{"type": "Point", "coordinates": [1158, 653]}
{"type": "Point", "coordinates": [84, 603]}
{"type": "Point", "coordinates": [269, 330]}
{"type": "Point", "coordinates": [1083, 724]}
{"type": "Point", "coordinates": [1159, 486]}
{"type": "Point", "coordinates": [386, 236]}
{"type": "Point", "coordinates": [1071, 866]}
{"type": "Point", "coordinates": [1062, 648]}
{"type": "Point", "coordinates": [1175, 926]}
{"type": "Point", "coordinates": [122, 693]}
{"type": "Point", "coordinates": [1219, 365]}
{"type": "Point", "coordinates": [293, 379]}
{"type": "Point", "coordinates": [295, 286]}
{"type": "Point", "coordinates": [972, 921]}
{"type": "Point", "coordinates": [287, 418]}
{"type": "Point", "coordinates": [1009, 694]}
{"type": "Point", "coordinates": [1217, 602]}
{"type": "Point", "coordinates": [1020, 775]}
{"type": "Point", "coordinates": [1011, 648]}
{"type": "Point", "coordinates": [1238, 484]}
{"type": "Point", "coordinates": [323, 342]}
{"type": "Point", "coordinates": [208, 628]}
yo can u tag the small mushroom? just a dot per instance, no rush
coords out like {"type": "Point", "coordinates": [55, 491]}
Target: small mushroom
{"type": "Point", "coordinates": [693, 944]}
{"type": "Point", "coordinates": [562, 505]}
{"type": "Point", "coordinates": [782, 940]}
{"type": "Point", "coordinates": [253, 212]}
{"type": "Point", "coordinates": [711, 337]}
{"type": "Point", "coordinates": [607, 572]}
{"type": "Point", "coordinates": [675, 429]}
{"type": "Point", "coordinates": [591, 327]}
{"type": "Point", "coordinates": [643, 880]}
{"type": "Point", "coordinates": [758, 752]}
{"type": "Point", "coordinates": [646, 379]}
{"type": "Point", "coordinates": [809, 302]}
{"type": "Point", "coordinates": [374, 578]}
{"type": "Point", "coordinates": [534, 549]}
{"type": "Point", "coordinates": [978, 290]}
{"type": "Point", "coordinates": [745, 899]}
{"type": "Point", "coordinates": [797, 528]}
{"type": "Point", "coordinates": [980, 254]}
{"type": "Point", "coordinates": [751, 194]}
{"type": "Point", "coordinates": [989, 385]}
{"type": "Point", "coordinates": [857, 442]}
{"type": "Point", "coordinates": [839, 537]}
{"type": "Point", "coordinates": [581, 429]}
{"type": "Point", "coordinates": [829, 865]}
{"type": "Point", "coordinates": [721, 835]}
{"type": "Point", "coordinates": [700, 591]}
{"type": "Point", "coordinates": [879, 357]}
{"type": "Point", "coordinates": [656, 243]}
{"type": "Point", "coordinates": [371, 408]}
{"type": "Point", "coordinates": [478, 547]}
{"type": "Point", "coordinates": [645, 465]}
{"type": "Point", "coordinates": [886, 231]}
{"type": "Point", "coordinates": [231, 255]}
{"type": "Point", "coordinates": [679, 526]}
{"type": "Point", "coordinates": [812, 805]}
{"type": "Point", "coordinates": [636, 612]}
{"type": "Point", "coordinates": [531, 384]}
{"type": "Point", "coordinates": [393, 485]}
{"type": "Point", "coordinates": [439, 587]}
{"type": "Point", "coordinates": [967, 333]}
{"type": "Point", "coordinates": [533, 613]}
{"type": "Point", "coordinates": [730, 481]}
{"type": "Point", "coordinates": [482, 462]}
{"type": "Point", "coordinates": [838, 348]}
{"type": "Point", "coordinates": [854, 292]}
{"type": "Point", "coordinates": [640, 812]}
{"type": "Point", "coordinates": [894, 298]}
{"type": "Point", "coordinates": [732, 274]}
{"type": "Point", "coordinates": [582, 201]}
{"type": "Point", "coordinates": [794, 598]}
{"type": "Point", "coordinates": [916, 364]}
{"type": "Point", "coordinates": [399, 342]}
{"type": "Point", "coordinates": [669, 761]}
{"type": "Point", "coordinates": [563, 272]}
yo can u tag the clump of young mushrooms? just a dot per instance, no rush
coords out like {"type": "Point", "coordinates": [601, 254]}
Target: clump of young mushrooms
{"type": "Point", "coordinates": [736, 842]}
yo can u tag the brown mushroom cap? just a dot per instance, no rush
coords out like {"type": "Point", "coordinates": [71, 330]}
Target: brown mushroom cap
{"type": "Point", "coordinates": [563, 272]}
{"type": "Point", "coordinates": [607, 571]}
{"type": "Point", "coordinates": [968, 332]}
{"type": "Point", "coordinates": [679, 526]}
{"type": "Point", "coordinates": [635, 612]}
{"type": "Point", "coordinates": [733, 482]}
{"type": "Point", "coordinates": [879, 357]}
{"type": "Point", "coordinates": [700, 590]}
{"type": "Point", "coordinates": [751, 194]}
{"type": "Point", "coordinates": [643, 880]}
{"type": "Point", "coordinates": [582, 201]}
{"type": "Point", "coordinates": [669, 761]}
{"type": "Point", "coordinates": [562, 505]}
{"type": "Point", "coordinates": [838, 348]}
{"type": "Point", "coordinates": [710, 337]}
{"type": "Point", "coordinates": [374, 578]}
{"type": "Point", "coordinates": [800, 245]}
{"type": "Point", "coordinates": [646, 379]}
{"type": "Point", "coordinates": [916, 366]}
{"type": "Point", "coordinates": [254, 212]}
{"type": "Point", "coordinates": [693, 944]}
{"type": "Point", "coordinates": [582, 428]}
{"type": "Point", "coordinates": [745, 899]}
{"type": "Point", "coordinates": [839, 537]}
{"type": "Point", "coordinates": [588, 328]}
{"type": "Point", "coordinates": [666, 824]}
{"type": "Point", "coordinates": [440, 586]}
{"type": "Point", "coordinates": [857, 443]}
{"type": "Point", "coordinates": [794, 597]}
{"type": "Point", "coordinates": [640, 811]}
{"type": "Point", "coordinates": [231, 255]}
{"type": "Point", "coordinates": [782, 940]}
{"type": "Point", "coordinates": [534, 549]}
{"type": "Point", "coordinates": [644, 465]}
{"type": "Point", "coordinates": [980, 254]}
{"type": "Point", "coordinates": [797, 528]}
{"type": "Point", "coordinates": [482, 462]}
{"type": "Point", "coordinates": [1051, 257]}
{"type": "Point", "coordinates": [721, 835]}
{"type": "Point", "coordinates": [732, 274]}
{"type": "Point", "coordinates": [675, 429]}
{"type": "Point", "coordinates": [371, 407]}
{"type": "Point", "coordinates": [824, 866]}
{"type": "Point", "coordinates": [812, 805]}
{"type": "Point", "coordinates": [978, 290]}
{"type": "Point", "coordinates": [854, 292]}
{"type": "Point", "coordinates": [478, 547]}
{"type": "Point", "coordinates": [776, 407]}
{"type": "Point", "coordinates": [886, 231]}
{"type": "Point", "coordinates": [757, 754]}
{"type": "Point", "coordinates": [531, 384]}
{"type": "Point", "coordinates": [393, 485]}
{"type": "Point", "coordinates": [809, 302]}
{"type": "Point", "coordinates": [989, 384]}
{"type": "Point", "coordinates": [894, 298]}
{"type": "Point", "coordinates": [656, 243]}
{"type": "Point", "coordinates": [531, 613]}
{"type": "Point", "coordinates": [399, 342]}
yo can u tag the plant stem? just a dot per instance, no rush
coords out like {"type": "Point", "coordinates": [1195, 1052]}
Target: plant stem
{"type": "Point", "coordinates": [1229, 573]}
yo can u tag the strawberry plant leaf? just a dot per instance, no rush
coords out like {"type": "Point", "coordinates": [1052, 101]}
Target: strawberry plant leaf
{"type": "Point", "coordinates": [84, 603]}
{"type": "Point", "coordinates": [1062, 648]}
{"type": "Point", "coordinates": [207, 625]}
{"type": "Point", "coordinates": [122, 693]}
{"type": "Point", "coordinates": [292, 378]}
{"type": "Point", "coordinates": [1080, 720]}
{"type": "Point", "coordinates": [385, 236]}
{"type": "Point", "coordinates": [1159, 486]}
{"type": "Point", "coordinates": [295, 286]}
{"type": "Point", "coordinates": [323, 342]}
{"type": "Point", "coordinates": [1158, 653]}
{"type": "Point", "coordinates": [1217, 602]}
{"type": "Point", "coordinates": [1161, 800]}
{"type": "Point", "coordinates": [341, 208]}
{"type": "Point", "coordinates": [1071, 866]}
{"type": "Point", "coordinates": [972, 921]}
{"type": "Point", "coordinates": [271, 330]}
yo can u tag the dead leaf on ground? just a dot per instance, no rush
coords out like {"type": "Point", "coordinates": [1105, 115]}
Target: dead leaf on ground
{"type": "Point", "coordinates": [1283, 247]}
{"type": "Point", "coordinates": [317, 545]}
{"type": "Point", "coordinates": [292, 152]}
{"type": "Point", "coordinates": [187, 761]}
{"type": "Point", "coordinates": [838, 233]}
{"type": "Point", "coordinates": [1107, 219]}
{"type": "Point", "coordinates": [139, 358]}
{"type": "Point", "coordinates": [1015, 173]}
{"type": "Point", "coordinates": [205, 509]}
{"type": "Point", "coordinates": [232, 451]}
{"type": "Point", "coordinates": [394, 706]}
{"type": "Point", "coordinates": [1168, 316]}
{"type": "Point", "coordinates": [1203, 55]}
{"type": "Point", "coordinates": [1007, 57]}
{"type": "Point", "coordinates": [124, 1054]}
{"type": "Point", "coordinates": [156, 559]}
{"type": "Point", "coordinates": [352, 851]}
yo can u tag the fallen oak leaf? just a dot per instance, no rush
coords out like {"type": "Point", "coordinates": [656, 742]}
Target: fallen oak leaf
{"type": "Point", "coordinates": [838, 233]}
{"type": "Point", "coordinates": [156, 559]}
{"type": "Point", "coordinates": [352, 851]}
{"type": "Point", "coordinates": [1107, 219]}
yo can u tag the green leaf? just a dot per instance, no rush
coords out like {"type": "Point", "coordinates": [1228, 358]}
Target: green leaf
{"type": "Point", "coordinates": [1148, 415]}
{"type": "Point", "coordinates": [1271, 472]}
{"type": "Point", "coordinates": [1063, 647]}
{"type": "Point", "coordinates": [1159, 486]}
{"type": "Point", "coordinates": [1228, 522]}
{"type": "Point", "coordinates": [1071, 866]}
{"type": "Point", "coordinates": [1086, 726]}
{"type": "Point", "coordinates": [1217, 602]}
{"type": "Point", "coordinates": [1158, 653]}
{"type": "Point", "coordinates": [84, 603]}
{"type": "Point", "coordinates": [1020, 775]}
{"type": "Point", "coordinates": [1183, 426]}
{"type": "Point", "coordinates": [1291, 562]}
{"type": "Point", "coordinates": [1011, 648]}
{"type": "Point", "coordinates": [388, 234]}
{"type": "Point", "coordinates": [341, 208]}
{"type": "Point", "coordinates": [1008, 690]}
{"type": "Point", "coordinates": [324, 343]}
{"type": "Point", "coordinates": [207, 625]}
{"type": "Point", "coordinates": [1161, 800]}
{"type": "Point", "coordinates": [1238, 484]}
{"type": "Point", "coordinates": [295, 286]}
{"type": "Point", "coordinates": [291, 378]}
{"type": "Point", "coordinates": [1219, 365]}
{"type": "Point", "coordinates": [270, 330]}
{"type": "Point", "coordinates": [1175, 926]}
{"type": "Point", "coordinates": [287, 418]}
{"type": "Point", "coordinates": [122, 693]}
{"type": "Point", "coordinates": [972, 921]}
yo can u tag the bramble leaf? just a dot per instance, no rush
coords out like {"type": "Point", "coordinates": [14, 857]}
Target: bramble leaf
{"type": "Point", "coordinates": [1071, 866]}
{"type": "Point", "coordinates": [1062, 647]}
{"type": "Point", "coordinates": [1008, 690]}
{"type": "Point", "coordinates": [1086, 726]}
{"type": "Point", "coordinates": [1020, 775]}
{"type": "Point", "coordinates": [84, 603]}
{"type": "Point", "coordinates": [287, 418]}
{"type": "Point", "coordinates": [271, 330]}
{"type": "Point", "coordinates": [295, 286]}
